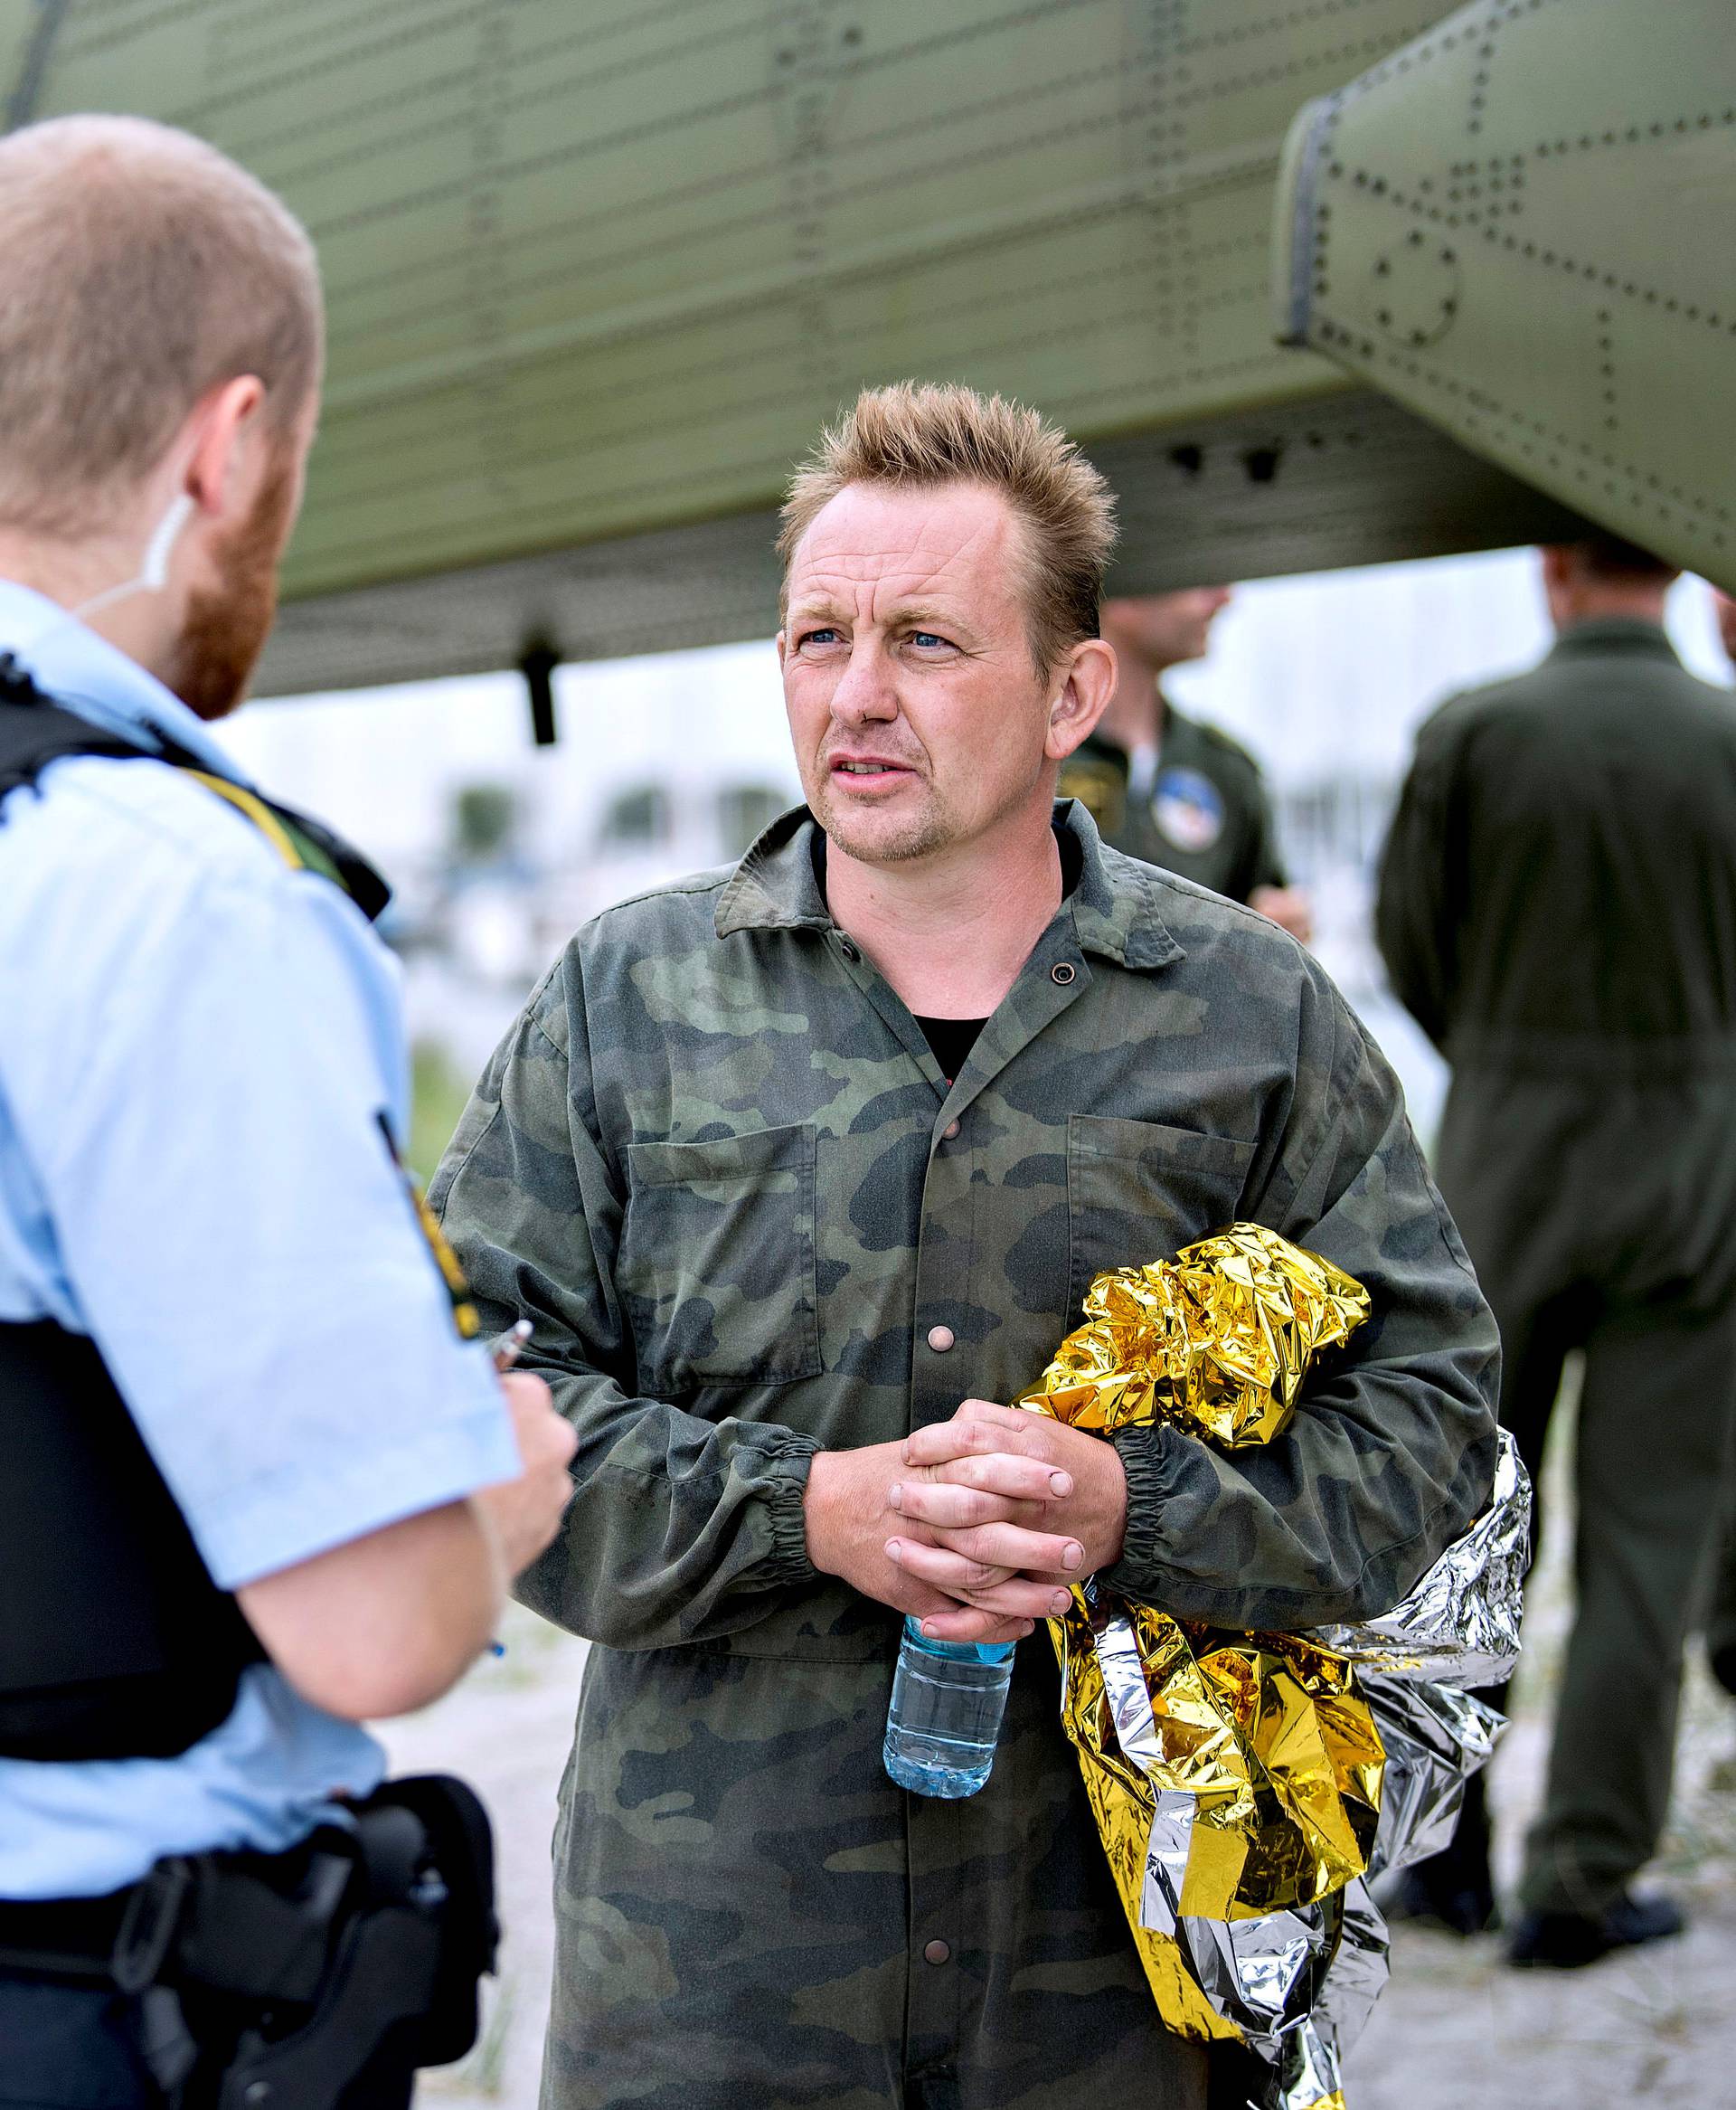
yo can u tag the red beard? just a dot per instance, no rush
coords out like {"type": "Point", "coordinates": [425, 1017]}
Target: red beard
{"type": "Point", "coordinates": [226, 627]}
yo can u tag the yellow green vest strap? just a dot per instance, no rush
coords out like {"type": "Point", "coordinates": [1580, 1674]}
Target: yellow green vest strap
{"type": "Point", "coordinates": [292, 843]}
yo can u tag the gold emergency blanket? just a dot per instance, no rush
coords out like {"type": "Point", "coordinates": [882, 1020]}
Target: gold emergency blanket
{"type": "Point", "coordinates": [1263, 1735]}
{"type": "Point", "coordinates": [1217, 1340]}
{"type": "Point", "coordinates": [1246, 1786]}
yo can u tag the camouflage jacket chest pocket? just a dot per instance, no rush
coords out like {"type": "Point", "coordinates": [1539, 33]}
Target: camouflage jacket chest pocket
{"type": "Point", "coordinates": [716, 1269]}
{"type": "Point", "coordinates": [1138, 1190]}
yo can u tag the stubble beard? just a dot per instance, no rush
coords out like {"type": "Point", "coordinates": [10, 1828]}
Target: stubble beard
{"type": "Point", "coordinates": [903, 841]}
{"type": "Point", "coordinates": [884, 841]}
{"type": "Point", "coordinates": [227, 626]}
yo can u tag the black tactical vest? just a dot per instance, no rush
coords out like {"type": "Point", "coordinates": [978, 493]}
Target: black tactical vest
{"type": "Point", "coordinates": [115, 1643]}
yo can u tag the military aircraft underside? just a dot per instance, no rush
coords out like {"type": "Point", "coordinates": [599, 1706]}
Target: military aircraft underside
{"type": "Point", "coordinates": [598, 270]}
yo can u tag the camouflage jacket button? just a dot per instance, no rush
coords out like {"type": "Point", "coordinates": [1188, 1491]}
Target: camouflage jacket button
{"type": "Point", "coordinates": [940, 1339]}
{"type": "Point", "coordinates": [937, 1953]}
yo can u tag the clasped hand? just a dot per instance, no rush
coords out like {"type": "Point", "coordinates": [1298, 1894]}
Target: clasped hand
{"type": "Point", "coordinates": [977, 1526]}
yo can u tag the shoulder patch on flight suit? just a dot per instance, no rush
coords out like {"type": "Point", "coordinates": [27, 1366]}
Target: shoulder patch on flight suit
{"type": "Point", "coordinates": [1101, 788]}
{"type": "Point", "coordinates": [1188, 809]}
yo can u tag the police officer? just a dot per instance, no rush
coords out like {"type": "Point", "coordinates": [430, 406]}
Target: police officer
{"type": "Point", "coordinates": [1558, 907]}
{"type": "Point", "coordinates": [1169, 788]}
{"type": "Point", "coordinates": [254, 1483]}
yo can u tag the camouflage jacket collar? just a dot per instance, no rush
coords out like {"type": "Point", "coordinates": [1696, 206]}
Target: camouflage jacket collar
{"type": "Point", "coordinates": [1112, 902]}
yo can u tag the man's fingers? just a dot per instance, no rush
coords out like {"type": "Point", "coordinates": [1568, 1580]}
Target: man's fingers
{"type": "Point", "coordinates": [965, 1623]}
{"type": "Point", "coordinates": [545, 1437]}
{"type": "Point", "coordinates": [1026, 1435]}
{"type": "Point", "coordinates": [978, 1583]}
{"type": "Point", "coordinates": [921, 1601]}
{"type": "Point", "coordinates": [991, 1410]}
{"type": "Point", "coordinates": [956, 1573]}
{"type": "Point", "coordinates": [1006, 1474]}
{"type": "Point", "coordinates": [1013, 1547]}
{"type": "Point", "coordinates": [939, 1502]}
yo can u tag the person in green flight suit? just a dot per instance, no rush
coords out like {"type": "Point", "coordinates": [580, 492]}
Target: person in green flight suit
{"type": "Point", "coordinates": [1557, 906]}
{"type": "Point", "coordinates": [1166, 787]}
{"type": "Point", "coordinates": [1721, 1614]}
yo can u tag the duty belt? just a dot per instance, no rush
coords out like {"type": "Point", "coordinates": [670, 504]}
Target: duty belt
{"type": "Point", "coordinates": [301, 1970]}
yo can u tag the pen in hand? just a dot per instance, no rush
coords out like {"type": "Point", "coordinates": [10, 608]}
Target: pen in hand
{"type": "Point", "coordinates": [505, 1348]}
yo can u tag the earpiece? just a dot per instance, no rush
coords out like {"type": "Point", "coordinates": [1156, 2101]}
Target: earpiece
{"type": "Point", "coordinates": [153, 573]}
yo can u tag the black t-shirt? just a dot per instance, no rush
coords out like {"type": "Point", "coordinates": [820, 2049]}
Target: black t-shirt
{"type": "Point", "coordinates": [951, 1040]}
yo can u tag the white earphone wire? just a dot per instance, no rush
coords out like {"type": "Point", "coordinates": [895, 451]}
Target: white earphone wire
{"type": "Point", "coordinates": [153, 568]}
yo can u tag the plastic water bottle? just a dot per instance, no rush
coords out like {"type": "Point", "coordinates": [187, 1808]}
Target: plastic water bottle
{"type": "Point", "coordinates": [948, 1700]}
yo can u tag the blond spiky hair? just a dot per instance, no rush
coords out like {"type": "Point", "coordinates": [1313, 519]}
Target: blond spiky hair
{"type": "Point", "coordinates": [917, 435]}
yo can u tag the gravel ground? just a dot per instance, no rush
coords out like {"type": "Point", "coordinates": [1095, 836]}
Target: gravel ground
{"type": "Point", "coordinates": [1455, 2029]}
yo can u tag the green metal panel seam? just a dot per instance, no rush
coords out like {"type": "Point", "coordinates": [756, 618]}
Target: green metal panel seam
{"type": "Point", "coordinates": [1299, 186]}
{"type": "Point", "coordinates": [922, 244]}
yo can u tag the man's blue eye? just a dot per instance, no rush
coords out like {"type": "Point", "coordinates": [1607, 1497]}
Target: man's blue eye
{"type": "Point", "coordinates": [926, 637]}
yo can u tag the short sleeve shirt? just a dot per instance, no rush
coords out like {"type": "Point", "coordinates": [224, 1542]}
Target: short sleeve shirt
{"type": "Point", "coordinates": [201, 1059]}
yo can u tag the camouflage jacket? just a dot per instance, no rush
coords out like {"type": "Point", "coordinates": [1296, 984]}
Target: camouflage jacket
{"type": "Point", "coordinates": [716, 1163]}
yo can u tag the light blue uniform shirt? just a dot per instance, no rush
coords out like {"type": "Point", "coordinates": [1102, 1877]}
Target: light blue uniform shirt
{"type": "Point", "coordinates": [196, 1045]}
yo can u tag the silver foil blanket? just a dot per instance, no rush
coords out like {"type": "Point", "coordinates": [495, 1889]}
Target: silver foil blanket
{"type": "Point", "coordinates": [1300, 1984]}
{"type": "Point", "coordinates": [1460, 1625]}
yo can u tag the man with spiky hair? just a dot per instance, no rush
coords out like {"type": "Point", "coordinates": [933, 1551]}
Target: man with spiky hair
{"type": "Point", "coordinates": [803, 1170]}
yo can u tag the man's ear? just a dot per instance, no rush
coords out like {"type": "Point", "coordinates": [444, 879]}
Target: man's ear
{"type": "Point", "coordinates": [1088, 678]}
{"type": "Point", "coordinates": [223, 468]}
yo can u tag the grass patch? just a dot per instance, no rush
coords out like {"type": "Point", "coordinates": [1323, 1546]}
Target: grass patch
{"type": "Point", "coordinates": [438, 1094]}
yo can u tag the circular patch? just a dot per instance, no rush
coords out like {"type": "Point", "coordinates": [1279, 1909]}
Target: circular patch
{"type": "Point", "coordinates": [1188, 809]}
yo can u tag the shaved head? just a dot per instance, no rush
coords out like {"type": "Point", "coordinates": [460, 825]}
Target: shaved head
{"type": "Point", "coordinates": [140, 269]}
